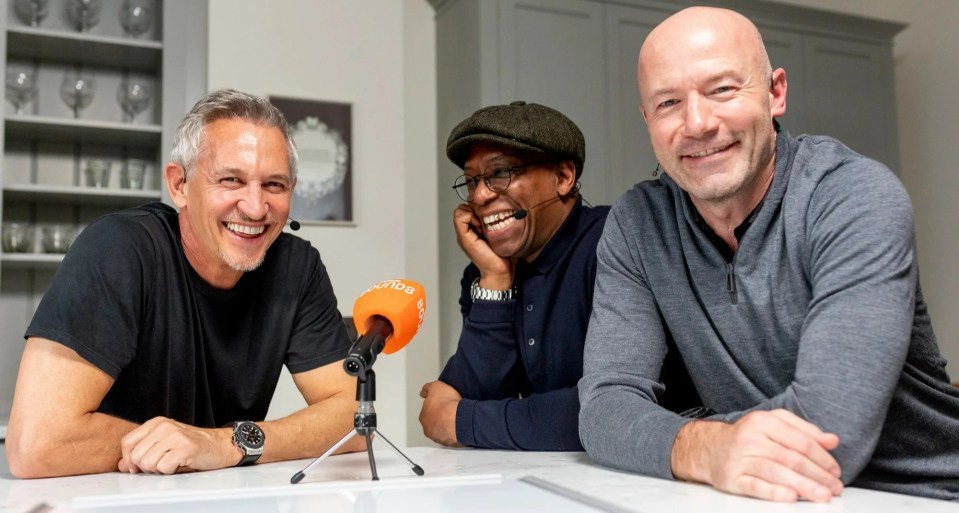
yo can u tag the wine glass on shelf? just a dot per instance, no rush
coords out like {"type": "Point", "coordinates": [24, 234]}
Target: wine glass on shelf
{"type": "Point", "coordinates": [21, 85]}
{"type": "Point", "coordinates": [134, 96]}
{"type": "Point", "coordinates": [84, 13]}
{"type": "Point", "coordinates": [136, 16]}
{"type": "Point", "coordinates": [31, 11]}
{"type": "Point", "coordinates": [76, 90]}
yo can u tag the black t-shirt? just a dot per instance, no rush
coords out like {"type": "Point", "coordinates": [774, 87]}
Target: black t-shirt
{"type": "Point", "coordinates": [126, 299]}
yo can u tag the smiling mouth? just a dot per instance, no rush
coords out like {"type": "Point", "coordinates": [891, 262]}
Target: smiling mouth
{"type": "Point", "coordinates": [499, 220]}
{"type": "Point", "coordinates": [243, 229]}
{"type": "Point", "coordinates": [706, 153]}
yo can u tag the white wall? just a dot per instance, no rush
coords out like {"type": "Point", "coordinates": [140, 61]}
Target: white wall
{"type": "Point", "coordinates": [926, 56]}
{"type": "Point", "coordinates": [377, 55]}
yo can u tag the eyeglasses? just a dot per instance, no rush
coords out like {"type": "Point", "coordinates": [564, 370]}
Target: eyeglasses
{"type": "Point", "coordinates": [497, 179]}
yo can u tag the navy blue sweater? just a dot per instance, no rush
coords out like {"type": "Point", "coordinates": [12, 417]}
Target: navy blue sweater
{"type": "Point", "coordinates": [518, 362]}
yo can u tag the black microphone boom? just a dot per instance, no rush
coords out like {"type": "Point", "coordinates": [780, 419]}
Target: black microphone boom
{"type": "Point", "coordinates": [362, 354]}
{"type": "Point", "coordinates": [522, 213]}
{"type": "Point", "coordinates": [294, 225]}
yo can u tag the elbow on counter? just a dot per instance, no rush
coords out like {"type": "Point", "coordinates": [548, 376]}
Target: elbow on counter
{"type": "Point", "coordinates": [32, 455]}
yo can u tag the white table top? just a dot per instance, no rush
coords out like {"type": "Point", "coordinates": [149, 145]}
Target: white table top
{"type": "Point", "coordinates": [455, 480]}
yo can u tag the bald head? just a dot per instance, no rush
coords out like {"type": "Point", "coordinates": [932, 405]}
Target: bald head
{"type": "Point", "coordinates": [709, 99]}
{"type": "Point", "coordinates": [702, 33]}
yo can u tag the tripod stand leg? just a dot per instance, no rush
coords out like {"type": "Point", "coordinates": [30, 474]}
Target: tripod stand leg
{"type": "Point", "coordinates": [418, 470]}
{"type": "Point", "coordinates": [369, 451]}
{"type": "Point", "coordinates": [301, 474]}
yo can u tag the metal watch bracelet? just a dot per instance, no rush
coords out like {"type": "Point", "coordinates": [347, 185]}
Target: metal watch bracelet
{"type": "Point", "coordinates": [477, 292]}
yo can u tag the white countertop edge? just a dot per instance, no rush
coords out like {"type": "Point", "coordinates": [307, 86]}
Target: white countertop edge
{"type": "Point", "coordinates": [305, 488]}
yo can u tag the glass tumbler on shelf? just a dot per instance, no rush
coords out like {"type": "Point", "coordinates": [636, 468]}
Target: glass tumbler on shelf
{"type": "Point", "coordinates": [76, 90]}
{"type": "Point", "coordinates": [56, 238]}
{"type": "Point", "coordinates": [17, 238]}
{"type": "Point", "coordinates": [133, 175]}
{"type": "Point", "coordinates": [136, 16]}
{"type": "Point", "coordinates": [98, 173]}
{"type": "Point", "coordinates": [84, 14]}
{"type": "Point", "coordinates": [31, 11]}
{"type": "Point", "coordinates": [134, 96]}
{"type": "Point", "coordinates": [21, 85]}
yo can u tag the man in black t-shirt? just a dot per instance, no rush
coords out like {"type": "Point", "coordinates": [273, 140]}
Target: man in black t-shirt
{"type": "Point", "coordinates": [158, 345]}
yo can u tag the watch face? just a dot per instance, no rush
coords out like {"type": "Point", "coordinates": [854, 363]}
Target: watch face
{"type": "Point", "coordinates": [251, 435]}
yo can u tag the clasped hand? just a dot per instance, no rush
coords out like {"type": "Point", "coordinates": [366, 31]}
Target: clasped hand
{"type": "Point", "coordinates": [773, 455]}
{"type": "Point", "coordinates": [438, 416]}
{"type": "Point", "coordinates": [165, 446]}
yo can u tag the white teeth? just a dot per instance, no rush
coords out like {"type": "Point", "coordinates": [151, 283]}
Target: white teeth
{"type": "Point", "coordinates": [499, 220]}
{"type": "Point", "coordinates": [707, 152]}
{"type": "Point", "coordinates": [244, 229]}
{"type": "Point", "coordinates": [497, 216]}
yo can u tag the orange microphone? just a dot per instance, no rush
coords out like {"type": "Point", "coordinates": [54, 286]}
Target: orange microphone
{"type": "Point", "coordinates": [389, 314]}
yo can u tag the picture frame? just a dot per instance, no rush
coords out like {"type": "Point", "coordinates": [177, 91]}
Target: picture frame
{"type": "Point", "coordinates": [322, 131]}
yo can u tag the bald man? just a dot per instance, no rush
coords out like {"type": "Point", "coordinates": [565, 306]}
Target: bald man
{"type": "Point", "coordinates": [785, 271]}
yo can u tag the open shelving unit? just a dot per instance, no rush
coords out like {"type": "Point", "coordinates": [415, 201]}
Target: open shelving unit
{"type": "Point", "coordinates": [47, 146]}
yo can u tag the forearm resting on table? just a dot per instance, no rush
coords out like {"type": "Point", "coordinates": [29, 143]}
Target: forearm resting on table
{"type": "Point", "coordinates": [772, 455]}
{"type": "Point", "coordinates": [311, 431]}
{"type": "Point", "coordinates": [54, 428]}
{"type": "Point", "coordinates": [307, 433]}
{"type": "Point", "coordinates": [67, 446]}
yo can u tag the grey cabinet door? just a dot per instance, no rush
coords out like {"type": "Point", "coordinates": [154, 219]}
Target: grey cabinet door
{"type": "Point", "coordinates": [631, 155]}
{"type": "Point", "coordinates": [849, 95]}
{"type": "Point", "coordinates": [551, 52]}
{"type": "Point", "coordinates": [785, 51]}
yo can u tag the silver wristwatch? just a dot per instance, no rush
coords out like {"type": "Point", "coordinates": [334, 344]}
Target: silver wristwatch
{"type": "Point", "coordinates": [477, 292]}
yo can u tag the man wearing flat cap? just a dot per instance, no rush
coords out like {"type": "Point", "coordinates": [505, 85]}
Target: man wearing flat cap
{"type": "Point", "coordinates": [527, 295]}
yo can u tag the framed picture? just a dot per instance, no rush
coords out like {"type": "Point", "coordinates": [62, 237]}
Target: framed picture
{"type": "Point", "coordinates": [323, 135]}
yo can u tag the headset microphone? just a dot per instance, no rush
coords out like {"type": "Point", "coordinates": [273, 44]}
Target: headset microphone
{"type": "Point", "coordinates": [294, 225]}
{"type": "Point", "coordinates": [522, 213]}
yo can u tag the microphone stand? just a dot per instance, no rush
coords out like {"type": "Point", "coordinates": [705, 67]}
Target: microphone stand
{"type": "Point", "coordinates": [364, 424]}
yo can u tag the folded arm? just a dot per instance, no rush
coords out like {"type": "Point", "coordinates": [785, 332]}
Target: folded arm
{"type": "Point", "coordinates": [166, 446]}
{"type": "Point", "coordinates": [330, 394]}
{"type": "Point", "coordinates": [54, 428]}
{"type": "Point", "coordinates": [857, 332]}
{"type": "Point", "coordinates": [850, 354]}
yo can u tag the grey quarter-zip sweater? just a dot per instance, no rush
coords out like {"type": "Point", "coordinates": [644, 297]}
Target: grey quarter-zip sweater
{"type": "Point", "coordinates": [819, 312]}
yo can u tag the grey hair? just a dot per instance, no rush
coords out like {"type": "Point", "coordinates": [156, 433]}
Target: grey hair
{"type": "Point", "coordinates": [227, 104]}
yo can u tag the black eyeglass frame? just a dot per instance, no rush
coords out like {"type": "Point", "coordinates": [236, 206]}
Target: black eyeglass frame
{"type": "Point", "coordinates": [461, 184]}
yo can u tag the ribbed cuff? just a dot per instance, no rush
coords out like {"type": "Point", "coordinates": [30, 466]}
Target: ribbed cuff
{"type": "Point", "coordinates": [464, 422]}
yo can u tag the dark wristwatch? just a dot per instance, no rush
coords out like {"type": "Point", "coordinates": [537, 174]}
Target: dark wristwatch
{"type": "Point", "coordinates": [249, 438]}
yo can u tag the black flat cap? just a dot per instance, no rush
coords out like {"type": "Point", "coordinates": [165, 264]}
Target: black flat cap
{"type": "Point", "coordinates": [523, 126]}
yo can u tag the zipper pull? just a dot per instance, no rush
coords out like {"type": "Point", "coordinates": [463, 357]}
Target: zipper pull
{"type": "Point", "coordinates": [731, 284]}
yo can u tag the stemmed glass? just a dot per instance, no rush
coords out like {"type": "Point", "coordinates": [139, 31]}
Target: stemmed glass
{"type": "Point", "coordinates": [77, 90]}
{"type": "Point", "coordinates": [84, 13]}
{"type": "Point", "coordinates": [136, 16]}
{"type": "Point", "coordinates": [31, 11]}
{"type": "Point", "coordinates": [134, 96]}
{"type": "Point", "coordinates": [21, 85]}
